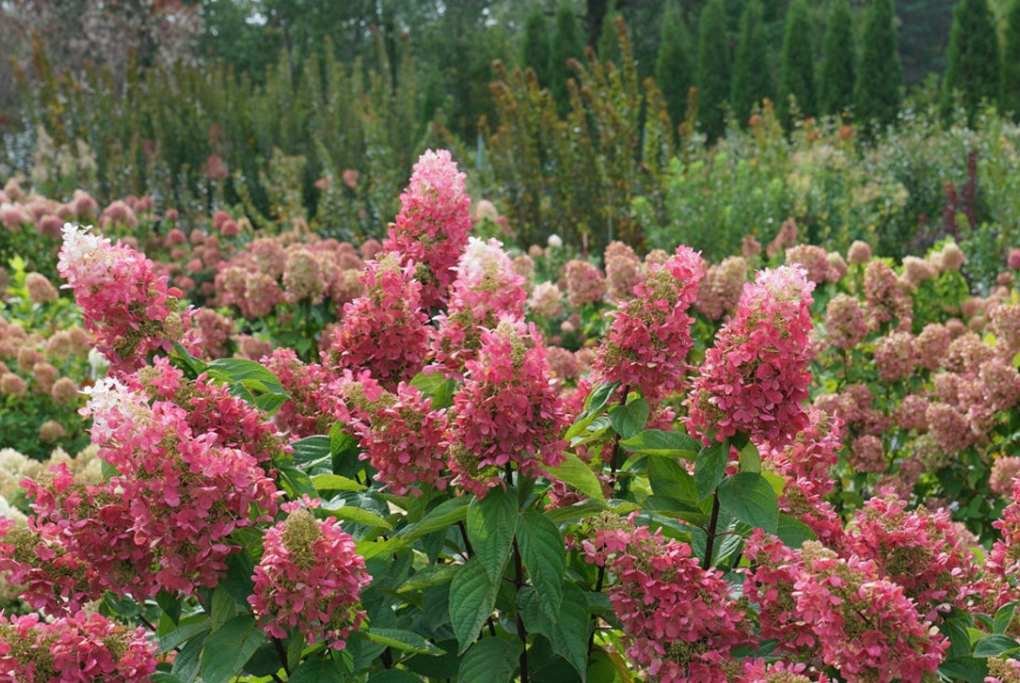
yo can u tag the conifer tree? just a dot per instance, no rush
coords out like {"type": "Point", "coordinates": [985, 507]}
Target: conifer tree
{"type": "Point", "coordinates": [566, 46]}
{"type": "Point", "coordinates": [1011, 62]}
{"type": "Point", "coordinates": [973, 69]}
{"type": "Point", "coordinates": [879, 74]}
{"type": "Point", "coordinates": [752, 81]}
{"type": "Point", "coordinates": [673, 69]}
{"type": "Point", "coordinates": [713, 68]}
{"type": "Point", "coordinates": [536, 51]}
{"type": "Point", "coordinates": [836, 86]}
{"type": "Point", "coordinates": [797, 64]}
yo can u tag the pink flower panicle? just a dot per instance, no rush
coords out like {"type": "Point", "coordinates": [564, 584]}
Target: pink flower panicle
{"type": "Point", "coordinates": [650, 336]}
{"type": "Point", "coordinates": [812, 453]}
{"type": "Point", "coordinates": [921, 550]}
{"type": "Point", "coordinates": [507, 410]}
{"type": "Point", "coordinates": [84, 646]}
{"type": "Point", "coordinates": [486, 289]}
{"type": "Point", "coordinates": [385, 330]}
{"type": "Point", "coordinates": [126, 303]}
{"type": "Point", "coordinates": [585, 283]}
{"type": "Point", "coordinates": [1004, 558]}
{"type": "Point", "coordinates": [679, 619]}
{"type": "Point", "coordinates": [720, 291]}
{"type": "Point", "coordinates": [404, 440]}
{"type": "Point", "coordinates": [300, 414]}
{"type": "Point", "coordinates": [309, 578]}
{"type": "Point", "coordinates": [755, 379]}
{"type": "Point", "coordinates": [432, 226]}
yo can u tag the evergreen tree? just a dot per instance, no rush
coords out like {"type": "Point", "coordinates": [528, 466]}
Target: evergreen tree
{"type": "Point", "coordinates": [879, 74]}
{"type": "Point", "coordinates": [973, 70]}
{"type": "Point", "coordinates": [567, 46]}
{"type": "Point", "coordinates": [836, 89]}
{"type": "Point", "coordinates": [536, 52]}
{"type": "Point", "coordinates": [608, 48]}
{"type": "Point", "coordinates": [1011, 62]}
{"type": "Point", "coordinates": [713, 68]}
{"type": "Point", "coordinates": [796, 64]}
{"type": "Point", "coordinates": [751, 80]}
{"type": "Point", "coordinates": [673, 69]}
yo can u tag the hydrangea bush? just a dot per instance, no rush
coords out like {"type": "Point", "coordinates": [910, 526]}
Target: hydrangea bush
{"type": "Point", "coordinates": [433, 459]}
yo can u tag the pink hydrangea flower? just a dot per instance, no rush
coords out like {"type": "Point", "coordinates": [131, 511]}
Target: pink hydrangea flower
{"type": "Point", "coordinates": [1004, 558]}
{"type": "Point", "coordinates": [756, 377]}
{"type": "Point", "coordinates": [585, 283]}
{"type": "Point", "coordinates": [846, 324]}
{"type": "Point", "coordinates": [385, 330]}
{"type": "Point", "coordinates": [650, 336]}
{"type": "Point", "coordinates": [404, 439]}
{"type": "Point", "coordinates": [506, 410]}
{"type": "Point", "coordinates": [432, 226]}
{"type": "Point", "coordinates": [126, 303]}
{"type": "Point", "coordinates": [486, 289]}
{"type": "Point", "coordinates": [922, 550]}
{"type": "Point", "coordinates": [84, 646]}
{"type": "Point", "coordinates": [720, 292]}
{"type": "Point", "coordinates": [300, 415]}
{"type": "Point", "coordinates": [309, 578]}
{"type": "Point", "coordinates": [679, 620]}
{"type": "Point", "coordinates": [812, 453]}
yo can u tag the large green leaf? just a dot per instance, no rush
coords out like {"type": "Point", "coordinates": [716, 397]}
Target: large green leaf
{"type": "Point", "coordinates": [341, 510]}
{"type": "Point", "coordinates": [750, 498]}
{"type": "Point", "coordinates": [491, 523]}
{"type": "Point", "coordinates": [250, 381]}
{"type": "Point", "coordinates": [492, 660]}
{"type": "Point", "coordinates": [407, 641]}
{"type": "Point", "coordinates": [312, 451]}
{"type": "Point", "coordinates": [472, 596]}
{"type": "Point", "coordinates": [568, 633]}
{"type": "Point", "coordinates": [443, 515]}
{"type": "Point", "coordinates": [316, 670]}
{"type": "Point", "coordinates": [710, 467]}
{"type": "Point", "coordinates": [227, 650]}
{"type": "Point", "coordinates": [578, 474]}
{"type": "Point", "coordinates": [436, 386]}
{"type": "Point", "coordinates": [669, 478]}
{"type": "Point", "coordinates": [995, 645]}
{"type": "Point", "coordinates": [544, 557]}
{"type": "Point", "coordinates": [662, 443]}
{"type": "Point", "coordinates": [189, 628]}
{"type": "Point", "coordinates": [627, 420]}
{"type": "Point", "coordinates": [792, 531]}
{"type": "Point", "coordinates": [334, 482]}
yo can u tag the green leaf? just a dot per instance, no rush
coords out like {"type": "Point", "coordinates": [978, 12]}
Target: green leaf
{"type": "Point", "coordinates": [407, 641]}
{"type": "Point", "coordinates": [792, 531]}
{"type": "Point", "coordinates": [334, 482]}
{"type": "Point", "coordinates": [186, 662]}
{"type": "Point", "coordinates": [1004, 617]}
{"type": "Point", "coordinates": [223, 608]}
{"type": "Point", "coordinates": [472, 596]}
{"type": "Point", "coordinates": [662, 443]}
{"type": "Point", "coordinates": [443, 515]}
{"type": "Point", "coordinates": [995, 645]}
{"type": "Point", "coordinates": [164, 677]}
{"type": "Point", "coordinates": [316, 670]}
{"type": "Point", "coordinates": [544, 557]}
{"type": "Point", "coordinates": [750, 460]}
{"type": "Point", "coordinates": [628, 419]}
{"type": "Point", "coordinates": [576, 473]}
{"type": "Point", "coordinates": [429, 576]}
{"type": "Point", "coordinates": [600, 396]}
{"type": "Point", "coordinates": [227, 650]}
{"type": "Point", "coordinates": [188, 629]}
{"type": "Point", "coordinates": [749, 498]}
{"type": "Point", "coordinates": [568, 633]}
{"type": "Point", "coordinates": [295, 482]}
{"type": "Point", "coordinates": [669, 478]}
{"type": "Point", "coordinates": [492, 660]}
{"type": "Point", "coordinates": [437, 387]}
{"type": "Point", "coordinates": [311, 451]}
{"type": "Point", "coordinates": [710, 467]}
{"type": "Point", "coordinates": [339, 509]}
{"type": "Point", "coordinates": [393, 676]}
{"type": "Point", "coordinates": [491, 523]}
{"type": "Point", "coordinates": [969, 669]}
{"type": "Point", "coordinates": [250, 381]}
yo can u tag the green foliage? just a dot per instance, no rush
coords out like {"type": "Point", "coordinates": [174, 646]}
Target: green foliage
{"type": "Point", "coordinates": [879, 74]}
{"type": "Point", "coordinates": [567, 45]}
{"type": "Point", "coordinates": [713, 68]}
{"type": "Point", "coordinates": [836, 83]}
{"type": "Point", "coordinates": [797, 65]}
{"type": "Point", "coordinates": [674, 69]}
{"type": "Point", "coordinates": [1011, 62]}
{"type": "Point", "coordinates": [973, 71]}
{"type": "Point", "coordinates": [536, 49]}
{"type": "Point", "coordinates": [752, 81]}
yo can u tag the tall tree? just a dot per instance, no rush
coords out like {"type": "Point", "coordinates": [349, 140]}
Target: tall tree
{"type": "Point", "coordinates": [836, 88]}
{"type": "Point", "coordinates": [713, 68]}
{"type": "Point", "coordinates": [797, 64]}
{"type": "Point", "coordinates": [673, 69]}
{"type": "Point", "coordinates": [567, 45]}
{"type": "Point", "coordinates": [879, 74]}
{"type": "Point", "coordinates": [973, 71]}
{"type": "Point", "coordinates": [751, 79]}
{"type": "Point", "coordinates": [536, 52]}
{"type": "Point", "coordinates": [1011, 62]}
